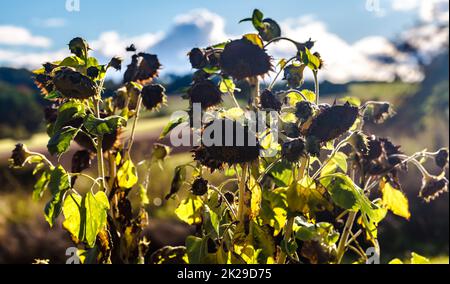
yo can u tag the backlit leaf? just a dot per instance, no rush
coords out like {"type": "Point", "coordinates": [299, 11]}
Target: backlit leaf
{"type": "Point", "coordinates": [127, 175]}
{"type": "Point", "coordinates": [395, 200]}
{"type": "Point", "coordinates": [190, 210]}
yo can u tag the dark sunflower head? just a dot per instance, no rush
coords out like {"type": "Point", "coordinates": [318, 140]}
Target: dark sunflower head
{"type": "Point", "coordinates": [227, 142]}
{"type": "Point", "coordinates": [81, 161]}
{"type": "Point", "coordinates": [333, 122]}
{"type": "Point", "coordinates": [360, 143]}
{"type": "Point", "coordinates": [143, 68]}
{"type": "Point", "coordinates": [44, 83]}
{"type": "Point", "coordinates": [19, 156]}
{"type": "Point", "coordinates": [73, 84]}
{"type": "Point", "coordinates": [206, 93]}
{"type": "Point", "coordinates": [154, 96]}
{"type": "Point", "coordinates": [271, 30]}
{"type": "Point", "coordinates": [441, 158]}
{"type": "Point", "coordinates": [198, 58]}
{"type": "Point", "coordinates": [293, 150]}
{"type": "Point", "coordinates": [270, 101]}
{"type": "Point", "coordinates": [243, 59]}
{"type": "Point", "coordinates": [199, 187]}
{"type": "Point", "coordinates": [116, 63]}
{"type": "Point", "coordinates": [433, 187]}
{"type": "Point", "coordinates": [304, 110]}
{"type": "Point", "coordinates": [378, 113]}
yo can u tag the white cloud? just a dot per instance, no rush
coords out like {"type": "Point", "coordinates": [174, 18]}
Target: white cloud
{"type": "Point", "coordinates": [50, 22]}
{"type": "Point", "coordinates": [405, 5]}
{"type": "Point", "coordinates": [30, 60]}
{"type": "Point", "coordinates": [111, 43]}
{"type": "Point", "coordinates": [12, 35]}
{"type": "Point", "coordinates": [428, 10]}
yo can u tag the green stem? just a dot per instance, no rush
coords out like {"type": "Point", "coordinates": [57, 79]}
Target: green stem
{"type": "Point", "coordinates": [242, 189]}
{"type": "Point", "coordinates": [317, 87]}
{"type": "Point", "coordinates": [133, 131]}
{"type": "Point", "coordinates": [345, 234]}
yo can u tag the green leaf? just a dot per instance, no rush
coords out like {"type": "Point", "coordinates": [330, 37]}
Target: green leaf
{"type": "Point", "coordinates": [86, 217]}
{"type": "Point", "coordinates": [274, 209]}
{"type": "Point", "coordinates": [190, 210]}
{"type": "Point", "coordinates": [60, 142]}
{"type": "Point", "coordinates": [53, 95]}
{"type": "Point", "coordinates": [66, 113]}
{"type": "Point", "coordinates": [96, 213]}
{"type": "Point", "coordinates": [343, 191]}
{"type": "Point", "coordinates": [396, 261]}
{"type": "Point", "coordinates": [295, 97]}
{"type": "Point", "coordinates": [339, 161]}
{"type": "Point", "coordinates": [172, 125]}
{"type": "Point", "coordinates": [72, 61]}
{"type": "Point", "coordinates": [58, 185]}
{"type": "Point", "coordinates": [177, 181]}
{"type": "Point", "coordinates": [395, 200]}
{"type": "Point", "coordinates": [127, 175]}
{"type": "Point", "coordinates": [41, 185]}
{"type": "Point", "coordinates": [196, 249]}
{"type": "Point", "coordinates": [257, 19]}
{"type": "Point", "coordinates": [312, 61]}
{"type": "Point", "coordinates": [100, 126]}
{"type": "Point", "coordinates": [211, 222]}
{"type": "Point", "coordinates": [282, 174]}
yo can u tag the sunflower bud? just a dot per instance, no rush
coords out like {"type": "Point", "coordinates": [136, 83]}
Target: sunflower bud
{"type": "Point", "coordinates": [160, 152]}
{"type": "Point", "coordinates": [270, 31]}
{"type": "Point", "coordinates": [360, 143]}
{"type": "Point", "coordinates": [333, 122]}
{"type": "Point", "coordinates": [270, 101]}
{"type": "Point", "coordinates": [304, 110]}
{"type": "Point", "coordinates": [200, 187]}
{"type": "Point", "coordinates": [243, 59]}
{"type": "Point", "coordinates": [73, 84]}
{"type": "Point", "coordinates": [293, 150]}
{"type": "Point", "coordinates": [206, 93]}
{"type": "Point", "coordinates": [79, 47]}
{"type": "Point", "coordinates": [441, 158]}
{"type": "Point", "coordinates": [378, 113]}
{"type": "Point", "coordinates": [433, 187]}
{"type": "Point", "coordinates": [293, 74]}
{"type": "Point", "coordinates": [153, 96]}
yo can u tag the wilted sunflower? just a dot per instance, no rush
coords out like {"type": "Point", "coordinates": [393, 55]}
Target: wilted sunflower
{"type": "Point", "coordinates": [143, 68]}
{"type": "Point", "coordinates": [293, 74]}
{"type": "Point", "coordinates": [79, 47]}
{"type": "Point", "coordinates": [270, 101]}
{"type": "Point", "coordinates": [333, 122]}
{"type": "Point", "coordinates": [242, 148]}
{"type": "Point", "coordinates": [19, 156]}
{"type": "Point", "coordinates": [73, 84]}
{"type": "Point", "coordinates": [44, 83]}
{"type": "Point", "coordinates": [206, 93]}
{"type": "Point", "coordinates": [433, 187]}
{"type": "Point", "coordinates": [441, 158]}
{"type": "Point", "coordinates": [304, 110]}
{"type": "Point", "coordinates": [81, 161]}
{"type": "Point", "coordinates": [243, 59]}
{"type": "Point", "coordinates": [293, 150]}
{"type": "Point", "coordinates": [153, 96]}
{"type": "Point", "coordinates": [199, 187]}
{"type": "Point", "coordinates": [381, 157]}
{"type": "Point", "coordinates": [270, 31]}
{"type": "Point", "coordinates": [198, 58]}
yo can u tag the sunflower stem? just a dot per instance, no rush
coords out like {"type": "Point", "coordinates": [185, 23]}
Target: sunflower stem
{"type": "Point", "coordinates": [133, 130]}
{"type": "Point", "coordinates": [242, 185]}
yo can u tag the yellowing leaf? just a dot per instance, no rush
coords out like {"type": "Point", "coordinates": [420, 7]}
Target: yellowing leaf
{"type": "Point", "coordinates": [255, 39]}
{"type": "Point", "coordinates": [127, 175]}
{"type": "Point", "coordinates": [395, 200]}
{"type": "Point", "coordinates": [396, 261]}
{"type": "Point", "coordinates": [418, 259]}
{"type": "Point", "coordinates": [190, 210]}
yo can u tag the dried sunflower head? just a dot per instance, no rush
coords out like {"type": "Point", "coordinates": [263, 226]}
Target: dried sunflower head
{"type": "Point", "coordinates": [243, 59]}
{"type": "Point", "coordinates": [198, 58]}
{"type": "Point", "coordinates": [293, 150]}
{"type": "Point", "coordinates": [227, 142]}
{"type": "Point", "coordinates": [19, 156]}
{"type": "Point", "coordinates": [73, 84]}
{"type": "Point", "coordinates": [270, 101]}
{"type": "Point", "coordinates": [270, 31]}
{"type": "Point", "coordinates": [206, 93]}
{"type": "Point", "coordinates": [441, 158]}
{"type": "Point", "coordinates": [378, 113]}
{"type": "Point", "coordinates": [333, 122]}
{"type": "Point", "coordinates": [153, 96]}
{"type": "Point", "coordinates": [199, 187]}
{"type": "Point", "coordinates": [304, 110]}
{"type": "Point", "coordinates": [143, 68]}
{"type": "Point", "coordinates": [92, 72]}
{"type": "Point", "coordinates": [433, 187]}
{"type": "Point", "coordinates": [81, 161]}
{"type": "Point", "coordinates": [44, 83]}
{"type": "Point", "coordinates": [116, 63]}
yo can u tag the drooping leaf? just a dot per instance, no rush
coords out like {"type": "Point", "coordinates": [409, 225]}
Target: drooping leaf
{"type": "Point", "coordinates": [342, 191]}
{"type": "Point", "coordinates": [172, 125]}
{"type": "Point", "coordinates": [100, 126]}
{"type": "Point", "coordinates": [255, 39]}
{"type": "Point", "coordinates": [190, 210]}
{"type": "Point", "coordinates": [282, 174]}
{"type": "Point", "coordinates": [339, 161]}
{"type": "Point", "coordinates": [67, 112]}
{"type": "Point", "coordinates": [227, 86]}
{"type": "Point", "coordinates": [418, 259]}
{"type": "Point", "coordinates": [309, 59]}
{"type": "Point", "coordinates": [58, 185]}
{"type": "Point", "coordinates": [41, 185]}
{"type": "Point", "coordinates": [61, 140]}
{"type": "Point", "coordinates": [274, 209]}
{"type": "Point", "coordinates": [177, 181]}
{"type": "Point", "coordinates": [395, 200]}
{"type": "Point", "coordinates": [127, 175]}
{"type": "Point", "coordinates": [196, 249]}
{"type": "Point", "coordinates": [72, 61]}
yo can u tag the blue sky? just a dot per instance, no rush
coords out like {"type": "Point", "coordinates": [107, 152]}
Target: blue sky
{"type": "Point", "coordinates": [32, 32]}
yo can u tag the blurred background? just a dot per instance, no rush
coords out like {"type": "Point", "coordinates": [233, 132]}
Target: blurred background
{"type": "Point", "coordinates": [389, 50]}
